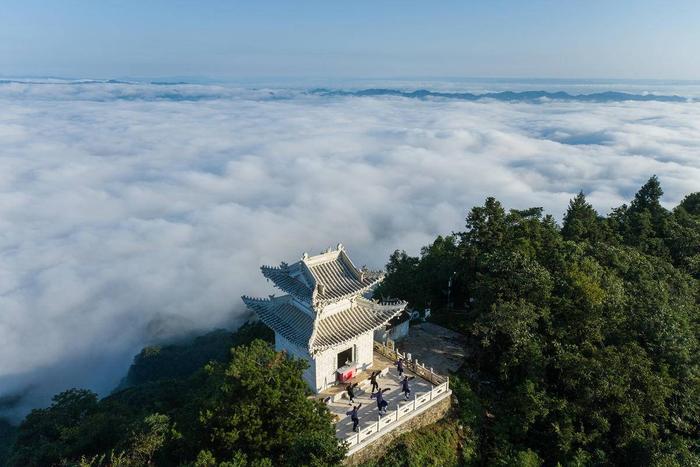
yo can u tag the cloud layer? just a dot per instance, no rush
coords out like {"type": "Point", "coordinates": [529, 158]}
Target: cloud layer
{"type": "Point", "coordinates": [131, 212]}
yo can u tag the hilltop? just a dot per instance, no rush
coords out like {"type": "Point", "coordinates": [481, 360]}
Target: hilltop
{"type": "Point", "coordinates": [584, 348]}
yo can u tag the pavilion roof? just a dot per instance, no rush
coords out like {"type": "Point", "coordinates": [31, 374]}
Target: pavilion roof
{"type": "Point", "coordinates": [293, 280]}
{"type": "Point", "coordinates": [287, 318]}
{"type": "Point", "coordinates": [362, 316]}
{"type": "Point", "coordinates": [282, 316]}
{"type": "Point", "coordinates": [325, 278]}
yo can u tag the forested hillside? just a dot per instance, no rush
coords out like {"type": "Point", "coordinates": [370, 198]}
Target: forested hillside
{"type": "Point", "coordinates": [584, 339]}
{"type": "Point", "coordinates": [584, 350]}
{"type": "Point", "coordinates": [247, 407]}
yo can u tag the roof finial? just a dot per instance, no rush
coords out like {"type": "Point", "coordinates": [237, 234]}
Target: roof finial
{"type": "Point", "coordinates": [305, 256]}
{"type": "Point", "coordinates": [339, 247]}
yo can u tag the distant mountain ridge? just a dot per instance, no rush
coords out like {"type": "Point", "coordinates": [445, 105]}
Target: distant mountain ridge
{"type": "Point", "coordinates": [507, 96]}
{"type": "Point", "coordinates": [175, 90]}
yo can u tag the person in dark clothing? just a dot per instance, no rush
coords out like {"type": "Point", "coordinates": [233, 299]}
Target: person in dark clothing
{"type": "Point", "coordinates": [354, 417]}
{"type": "Point", "coordinates": [373, 380]}
{"type": "Point", "coordinates": [404, 386]}
{"type": "Point", "coordinates": [399, 366]}
{"type": "Point", "coordinates": [381, 403]}
{"type": "Point", "coordinates": [351, 392]}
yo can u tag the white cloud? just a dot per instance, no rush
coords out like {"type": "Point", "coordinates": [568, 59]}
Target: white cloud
{"type": "Point", "coordinates": [129, 212]}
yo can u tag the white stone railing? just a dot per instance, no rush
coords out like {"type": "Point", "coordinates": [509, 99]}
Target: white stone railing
{"type": "Point", "coordinates": [412, 365]}
{"type": "Point", "coordinates": [390, 420]}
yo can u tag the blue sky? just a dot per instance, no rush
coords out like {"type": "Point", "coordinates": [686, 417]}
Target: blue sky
{"type": "Point", "coordinates": [247, 40]}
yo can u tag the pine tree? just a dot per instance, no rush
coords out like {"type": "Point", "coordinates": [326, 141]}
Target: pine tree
{"type": "Point", "coordinates": [581, 221]}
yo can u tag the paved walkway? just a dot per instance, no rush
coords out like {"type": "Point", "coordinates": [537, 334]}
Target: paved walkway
{"type": "Point", "coordinates": [368, 412]}
{"type": "Point", "coordinates": [435, 346]}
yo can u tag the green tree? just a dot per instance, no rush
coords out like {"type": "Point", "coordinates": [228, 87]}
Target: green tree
{"type": "Point", "coordinates": [691, 204]}
{"type": "Point", "coordinates": [645, 224]}
{"type": "Point", "coordinates": [585, 342]}
{"type": "Point", "coordinates": [251, 409]}
{"type": "Point", "coordinates": [486, 226]}
{"type": "Point", "coordinates": [48, 435]}
{"type": "Point", "coordinates": [261, 407]}
{"type": "Point", "coordinates": [8, 433]}
{"type": "Point", "coordinates": [581, 221]}
{"type": "Point", "coordinates": [684, 235]}
{"type": "Point", "coordinates": [143, 444]}
{"type": "Point", "coordinates": [404, 278]}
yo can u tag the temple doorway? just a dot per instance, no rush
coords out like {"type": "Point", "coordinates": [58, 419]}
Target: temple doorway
{"type": "Point", "coordinates": [345, 357]}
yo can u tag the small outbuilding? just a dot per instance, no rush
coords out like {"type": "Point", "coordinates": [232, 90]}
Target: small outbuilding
{"type": "Point", "coordinates": [396, 329]}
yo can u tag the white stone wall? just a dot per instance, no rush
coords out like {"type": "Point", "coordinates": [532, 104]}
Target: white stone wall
{"type": "Point", "coordinates": [365, 347]}
{"type": "Point", "coordinates": [325, 369]}
{"type": "Point", "coordinates": [395, 333]}
{"type": "Point", "coordinates": [327, 363]}
{"type": "Point", "coordinates": [321, 371]}
{"type": "Point", "coordinates": [284, 345]}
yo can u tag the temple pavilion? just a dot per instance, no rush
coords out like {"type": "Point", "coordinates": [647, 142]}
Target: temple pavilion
{"type": "Point", "coordinates": [326, 315]}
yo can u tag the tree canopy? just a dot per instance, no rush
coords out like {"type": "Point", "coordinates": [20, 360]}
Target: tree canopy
{"type": "Point", "coordinates": [248, 408]}
{"type": "Point", "coordinates": [585, 341]}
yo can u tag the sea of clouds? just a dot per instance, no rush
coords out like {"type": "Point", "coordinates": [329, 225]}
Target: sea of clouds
{"type": "Point", "coordinates": [134, 212]}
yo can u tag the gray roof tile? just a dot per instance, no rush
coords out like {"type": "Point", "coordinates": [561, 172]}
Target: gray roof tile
{"type": "Point", "coordinates": [344, 326]}
{"type": "Point", "coordinates": [285, 281]}
{"type": "Point", "coordinates": [283, 317]}
{"type": "Point", "coordinates": [318, 281]}
{"type": "Point", "coordinates": [322, 279]}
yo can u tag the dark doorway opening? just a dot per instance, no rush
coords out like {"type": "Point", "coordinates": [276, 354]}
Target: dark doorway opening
{"type": "Point", "coordinates": [344, 357]}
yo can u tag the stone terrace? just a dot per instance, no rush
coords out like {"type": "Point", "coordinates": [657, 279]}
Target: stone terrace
{"type": "Point", "coordinates": [369, 413]}
{"type": "Point", "coordinates": [427, 389]}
